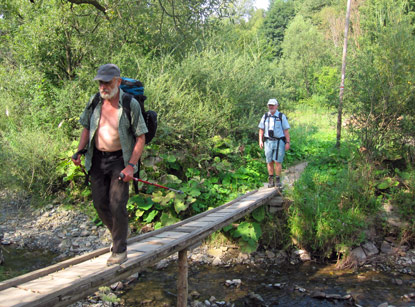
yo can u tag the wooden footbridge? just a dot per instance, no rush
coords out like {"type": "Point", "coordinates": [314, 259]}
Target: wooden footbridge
{"type": "Point", "coordinates": [71, 280]}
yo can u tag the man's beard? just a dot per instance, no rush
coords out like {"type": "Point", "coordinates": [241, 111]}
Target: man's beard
{"type": "Point", "coordinates": [109, 95]}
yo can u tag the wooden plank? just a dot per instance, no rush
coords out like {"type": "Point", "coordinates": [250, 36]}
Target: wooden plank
{"type": "Point", "coordinates": [185, 230]}
{"type": "Point", "coordinates": [143, 247]}
{"type": "Point", "coordinates": [158, 241]}
{"type": "Point", "coordinates": [218, 215]}
{"type": "Point", "coordinates": [85, 269]}
{"type": "Point", "coordinates": [211, 219]}
{"type": "Point", "coordinates": [196, 224]}
{"type": "Point", "coordinates": [17, 297]}
{"type": "Point", "coordinates": [170, 234]}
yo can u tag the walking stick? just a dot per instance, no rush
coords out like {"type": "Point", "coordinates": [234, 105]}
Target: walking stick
{"type": "Point", "coordinates": [155, 184]}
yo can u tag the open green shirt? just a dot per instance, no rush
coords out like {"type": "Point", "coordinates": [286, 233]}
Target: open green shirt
{"type": "Point", "coordinates": [128, 132]}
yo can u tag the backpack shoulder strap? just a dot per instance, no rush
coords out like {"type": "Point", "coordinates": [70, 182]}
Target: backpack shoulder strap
{"type": "Point", "coordinates": [126, 105]}
{"type": "Point", "coordinates": [94, 102]}
{"type": "Point", "coordinates": [280, 116]}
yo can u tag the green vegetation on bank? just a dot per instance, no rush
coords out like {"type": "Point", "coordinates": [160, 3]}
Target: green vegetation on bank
{"type": "Point", "coordinates": [208, 71]}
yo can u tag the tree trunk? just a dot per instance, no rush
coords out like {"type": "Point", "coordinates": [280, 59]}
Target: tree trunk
{"type": "Point", "coordinates": [340, 109]}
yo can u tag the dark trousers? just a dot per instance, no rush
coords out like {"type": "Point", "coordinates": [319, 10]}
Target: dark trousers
{"type": "Point", "coordinates": [110, 195]}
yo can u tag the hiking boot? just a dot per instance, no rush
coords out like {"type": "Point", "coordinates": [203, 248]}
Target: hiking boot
{"type": "Point", "coordinates": [117, 258]}
{"type": "Point", "coordinates": [277, 183]}
{"type": "Point", "coordinates": [270, 181]}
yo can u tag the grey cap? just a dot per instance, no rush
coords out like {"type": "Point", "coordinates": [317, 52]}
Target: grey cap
{"type": "Point", "coordinates": [107, 72]}
{"type": "Point", "coordinates": [272, 102]}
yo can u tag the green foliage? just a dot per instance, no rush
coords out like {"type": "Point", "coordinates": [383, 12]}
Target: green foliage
{"type": "Point", "coordinates": [107, 296]}
{"type": "Point", "coordinates": [207, 182]}
{"type": "Point", "coordinates": [332, 207]}
{"type": "Point", "coordinates": [382, 88]}
{"type": "Point", "coordinates": [276, 21]}
{"type": "Point", "coordinates": [304, 52]}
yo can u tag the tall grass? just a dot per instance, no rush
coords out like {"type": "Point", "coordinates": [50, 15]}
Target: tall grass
{"type": "Point", "coordinates": [333, 200]}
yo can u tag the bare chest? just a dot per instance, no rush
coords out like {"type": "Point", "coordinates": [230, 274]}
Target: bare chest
{"type": "Point", "coordinates": [107, 138]}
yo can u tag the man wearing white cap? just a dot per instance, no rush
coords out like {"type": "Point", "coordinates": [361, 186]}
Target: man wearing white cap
{"type": "Point", "coordinates": [274, 137]}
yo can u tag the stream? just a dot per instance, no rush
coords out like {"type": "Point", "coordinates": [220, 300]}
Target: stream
{"type": "Point", "coordinates": [271, 286]}
{"type": "Point", "coordinates": [18, 261]}
{"type": "Point", "coordinates": [305, 284]}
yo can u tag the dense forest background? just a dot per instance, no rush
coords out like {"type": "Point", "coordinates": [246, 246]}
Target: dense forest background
{"type": "Point", "coordinates": [209, 66]}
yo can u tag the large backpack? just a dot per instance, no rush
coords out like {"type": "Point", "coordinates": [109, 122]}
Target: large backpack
{"type": "Point", "coordinates": [135, 88]}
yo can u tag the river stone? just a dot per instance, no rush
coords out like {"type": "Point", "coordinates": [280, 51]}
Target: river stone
{"type": "Point", "coordinates": [383, 304]}
{"type": "Point", "coordinates": [270, 254]}
{"type": "Point", "coordinates": [215, 252]}
{"type": "Point", "coordinates": [256, 297]}
{"type": "Point", "coordinates": [318, 294]}
{"type": "Point", "coordinates": [304, 255]}
{"type": "Point", "coordinates": [216, 261]}
{"type": "Point", "coordinates": [386, 248]}
{"type": "Point", "coordinates": [333, 296]}
{"type": "Point", "coordinates": [194, 294]}
{"type": "Point", "coordinates": [370, 249]}
{"type": "Point", "coordinates": [358, 254]}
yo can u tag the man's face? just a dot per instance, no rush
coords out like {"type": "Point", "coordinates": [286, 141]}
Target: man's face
{"type": "Point", "coordinates": [272, 108]}
{"type": "Point", "coordinates": [109, 89]}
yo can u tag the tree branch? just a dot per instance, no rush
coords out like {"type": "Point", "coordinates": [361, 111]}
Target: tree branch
{"type": "Point", "coordinates": [91, 2]}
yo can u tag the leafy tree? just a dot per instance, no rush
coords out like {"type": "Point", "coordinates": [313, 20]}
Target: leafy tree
{"type": "Point", "coordinates": [304, 51]}
{"type": "Point", "coordinates": [382, 95]}
{"type": "Point", "coordinates": [276, 21]}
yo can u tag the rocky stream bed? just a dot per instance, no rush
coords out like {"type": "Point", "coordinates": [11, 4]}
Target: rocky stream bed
{"type": "Point", "coordinates": [67, 233]}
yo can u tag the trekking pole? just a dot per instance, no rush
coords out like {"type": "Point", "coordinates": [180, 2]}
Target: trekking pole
{"type": "Point", "coordinates": [155, 184]}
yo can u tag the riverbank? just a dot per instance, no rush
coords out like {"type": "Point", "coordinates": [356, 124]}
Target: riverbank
{"type": "Point", "coordinates": [68, 233]}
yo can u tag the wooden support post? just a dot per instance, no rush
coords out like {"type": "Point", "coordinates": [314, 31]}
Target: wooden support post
{"type": "Point", "coordinates": [182, 285]}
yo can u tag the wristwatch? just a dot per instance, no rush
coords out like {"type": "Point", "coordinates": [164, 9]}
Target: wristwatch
{"type": "Point", "coordinates": [130, 164]}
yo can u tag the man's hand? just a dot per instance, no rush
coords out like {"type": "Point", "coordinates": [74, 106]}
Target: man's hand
{"type": "Point", "coordinates": [261, 144]}
{"type": "Point", "coordinates": [287, 146]}
{"type": "Point", "coordinates": [76, 159]}
{"type": "Point", "coordinates": [128, 172]}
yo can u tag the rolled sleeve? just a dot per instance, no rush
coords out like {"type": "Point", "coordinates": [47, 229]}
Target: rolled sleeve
{"type": "Point", "coordinates": [285, 124]}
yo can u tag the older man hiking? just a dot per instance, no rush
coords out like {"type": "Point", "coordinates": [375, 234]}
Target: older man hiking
{"type": "Point", "coordinates": [114, 141]}
{"type": "Point", "coordinates": [274, 137]}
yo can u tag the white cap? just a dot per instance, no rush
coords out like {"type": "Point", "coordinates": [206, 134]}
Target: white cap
{"type": "Point", "coordinates": [273, 102]}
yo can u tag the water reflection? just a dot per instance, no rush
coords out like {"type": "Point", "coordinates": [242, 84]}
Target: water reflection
{"type": "Point", "coordinates": [19, 261]}
{"type": "Point", "coordinates": [288, 286]}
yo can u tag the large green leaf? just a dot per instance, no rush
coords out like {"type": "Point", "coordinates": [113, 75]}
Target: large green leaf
{"type": "Point", "coordinates": [180, 205]}
{"type": "Point", "coordinates": [259, 214]}
{"type": "Point", "coordinates": [139, 213]}
{"type": "Point", "coordinates": [163, 200]}
{"type": "Point", "coordinates": [248, 230]}
{"type": "Point", "coordinates": [168, 219]}
{"type": "Point", "coordinates": [248, 246]}
{"type": "Point", "coordinates": [150, 217]}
